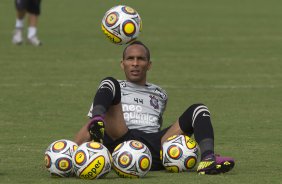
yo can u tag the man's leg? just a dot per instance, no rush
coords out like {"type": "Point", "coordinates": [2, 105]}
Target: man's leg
{"type": "Point", "coordinates": [114, 122]}
{"type": "Point", "coordinates": [196, 120]}
{"type": "Point", "coordinates": [20, 6]}
{"type": "Point", "coordinates": [114, 126]}
{"type": "Point", "coordinates": [106, 112]}
{"type": "Point", "coordinates": [33, 9]}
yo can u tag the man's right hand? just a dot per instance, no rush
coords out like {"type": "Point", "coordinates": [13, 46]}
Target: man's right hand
{"type": "Point", "coordinates": [96, 129]}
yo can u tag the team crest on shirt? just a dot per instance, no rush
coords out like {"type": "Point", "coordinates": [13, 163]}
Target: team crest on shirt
{"type": "Point", "coordinates": [154, 102]}
{"type": "Point", "coordinates": [122, 84]}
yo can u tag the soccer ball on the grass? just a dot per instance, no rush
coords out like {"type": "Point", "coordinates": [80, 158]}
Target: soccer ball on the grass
{"type": "Point", "coordinates": [121, 24]}
{"type": "Point", "coordinates": [179, 153]}
{"type": "Point", "coordinates": [132, 159]}
{"type": "Point", "coordinates": [92, 160]}
{"type": "Point", "coordinates": [58, 158]}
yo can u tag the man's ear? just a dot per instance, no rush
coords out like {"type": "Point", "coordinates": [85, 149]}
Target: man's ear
{"type": "Point", "coordinates": [121, 65]}
{"type": "Point", "coordinates": [150, 65]}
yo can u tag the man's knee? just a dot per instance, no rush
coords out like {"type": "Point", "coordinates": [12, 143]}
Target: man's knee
{"type": "Point", "coordinates": [187, 119]}
{"type": "Point", "coordinates": [112, 84]}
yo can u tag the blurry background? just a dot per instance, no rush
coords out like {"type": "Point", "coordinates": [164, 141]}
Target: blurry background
{"type": "Point", "coordinates": [224, 53]}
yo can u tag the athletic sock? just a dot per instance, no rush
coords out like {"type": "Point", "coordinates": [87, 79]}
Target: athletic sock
{"type": "Point", "coordinates": [19, 23]}
{"type": "Point", "coordinates": [203, 133]}
{"type": "Point", "coordinates": [196, 120]}
{"type": "Point", "coordinates": [107, 94]}
{"type": "Point", "coordinates": [102, 101]}
{"type": "Point", "coordinates": [31, 32]}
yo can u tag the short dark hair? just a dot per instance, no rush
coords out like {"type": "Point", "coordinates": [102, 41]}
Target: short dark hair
{"type": "Point", "coordinates": [137, 43]}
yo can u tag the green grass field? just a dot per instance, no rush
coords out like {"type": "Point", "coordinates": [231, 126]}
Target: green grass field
{"type": "Point", "coordinates": [224, 53]}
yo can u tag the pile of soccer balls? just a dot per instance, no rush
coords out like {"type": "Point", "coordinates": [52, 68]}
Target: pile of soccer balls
{"type": "Point", "coordinates": [130, 159]}
{"type": "Point", "coordinates": [92, 160]}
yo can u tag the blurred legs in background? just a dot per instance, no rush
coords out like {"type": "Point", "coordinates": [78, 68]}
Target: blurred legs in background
{"type": "Point", "coordinates": [32, 8]}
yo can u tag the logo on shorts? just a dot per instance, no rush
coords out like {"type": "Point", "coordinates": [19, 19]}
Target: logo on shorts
{"type": "Point", "coordinates": [154, 102]}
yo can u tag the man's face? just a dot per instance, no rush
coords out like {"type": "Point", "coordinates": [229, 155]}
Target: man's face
{"type": "Point", "coordinates": [136, 64]}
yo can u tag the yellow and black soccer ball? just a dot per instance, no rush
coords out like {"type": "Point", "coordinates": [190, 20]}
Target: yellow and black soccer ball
{"type": "Point", "coordinates": [91, 160]}
{"type": "Point", "coordinates": [121, 24]}
{"type": "Point", "coordinates": [179, 153]}
{"type": "Point", "coordinates": [58, 158]}
{"type": "Point", "coordinates": [132, 159]}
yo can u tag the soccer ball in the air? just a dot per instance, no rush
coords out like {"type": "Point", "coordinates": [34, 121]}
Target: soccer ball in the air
{"type": "Point", "coordinates": [58, 158]}
{"type": "Point", "coordinates": [179, 153]}
{"type": "Point", "coordinates": [92, 160]}
{"type": "Point", "coordinates": [132, 159]}
{"type": "Point", "coordinates": [121, 24]}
